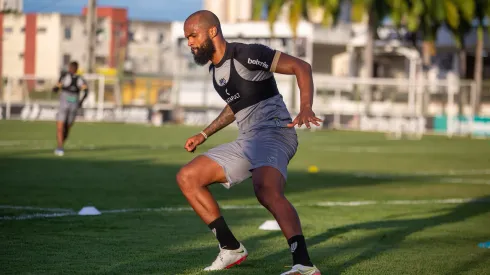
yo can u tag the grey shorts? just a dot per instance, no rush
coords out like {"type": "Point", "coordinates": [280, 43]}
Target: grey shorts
{"type": "Point", "coordinates": [67, 113]}
{"type": "Point", "coordinates": [273, 147]}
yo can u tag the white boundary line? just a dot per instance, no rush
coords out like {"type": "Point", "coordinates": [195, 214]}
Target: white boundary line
{"type": "Point", "coordinates": [38, 215]}
{"type": "Point", "coordinates": [401, 202]}
{"type": "Point", "coordinates": [35, 208]}
{"type": "Point", "coordinates": [444, 177]}
{"type": "Point", "coordinates": [69, 212]}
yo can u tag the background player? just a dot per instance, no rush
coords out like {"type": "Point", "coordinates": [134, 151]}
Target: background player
{"type": "Point", "coordinates": [243, 76]}
{"type": "Point", "coordinates": [71, 85]}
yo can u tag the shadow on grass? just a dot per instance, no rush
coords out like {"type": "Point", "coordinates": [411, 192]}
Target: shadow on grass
{"type": "Point", "coordinates": [378, 244]}
{"type": "Point", "coordinates": [73, 183]}
{"type": "Point", "coordinates": [372, 246]}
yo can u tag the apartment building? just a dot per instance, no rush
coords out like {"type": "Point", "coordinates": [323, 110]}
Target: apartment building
{"type": "Point", "coordinates": [44, 44]}
{"type": "Point", "coordinates": [230, 11]}
{"type": "Point", "coordinates": [11, 5]}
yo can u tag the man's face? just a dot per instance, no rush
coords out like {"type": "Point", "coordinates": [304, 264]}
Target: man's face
{"type": "Point", "coordinates": [72, 69]}
{"type": "Point", "coordinates": [199, 41]}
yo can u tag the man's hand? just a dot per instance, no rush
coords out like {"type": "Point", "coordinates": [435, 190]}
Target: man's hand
{"type": "Point", "coordinates": [192, 142]}
{"type": "Point", "coordinates": [305, 116]}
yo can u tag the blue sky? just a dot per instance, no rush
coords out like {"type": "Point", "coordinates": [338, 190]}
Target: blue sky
{"type": "Point", "coordinates": [155, 10]}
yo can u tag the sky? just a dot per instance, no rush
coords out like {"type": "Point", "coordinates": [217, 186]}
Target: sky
{"type": "Point", "coordinates": [154, 10]}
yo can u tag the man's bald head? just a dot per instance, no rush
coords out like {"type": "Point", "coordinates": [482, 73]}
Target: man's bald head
{"type": "Point", "coordinates": [205, 19]}
{"type": "Point", "coordinates": [203, 32]}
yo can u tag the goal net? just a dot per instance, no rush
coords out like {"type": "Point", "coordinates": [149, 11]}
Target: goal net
{"type": "Point", "coordinates": [398, 107]}
{"type": "Point", "coordinates": [31, 98]}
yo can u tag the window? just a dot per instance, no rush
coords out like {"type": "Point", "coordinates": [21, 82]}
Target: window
{"type": "Point", "coordinates": [66, 59]}
{"type": "Point", "coordinates": [8, 30]}
{"type": "Point", "coordinates": [67, 33]}
{"type": "Point", "coordinates": [100, 60]}
{"type": "Point", "coordinates": [41, 82]}
{"type": "Point", "coordinates": [21, 55]}
{"type": "Point", "coordinates": [161, 38]}
{"type": "Point", "coordinates": [23, 29]}
{"type": "Point", "coordinates": [41, 30]}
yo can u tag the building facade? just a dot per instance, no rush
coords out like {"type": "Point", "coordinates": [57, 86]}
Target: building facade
{"type": "Point", "coordinates": [230, 11]}
{"type": "Point", "coordinates": [11, 5]}
{"type": "Point", "coordinates": [42, 45]}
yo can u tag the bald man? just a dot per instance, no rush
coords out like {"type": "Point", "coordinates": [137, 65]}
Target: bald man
{"type": "Point", "coordinates": [243, 75]}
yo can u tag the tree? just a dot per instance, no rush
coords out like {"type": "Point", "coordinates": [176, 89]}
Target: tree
{"type": "Point", "coordinates": [316, 11]}
{"type": "Point", "coordinates": [482, 11]}
{"type": "Point", "coordinates": [323, 12]}
{"type": "Point", "coordinates": [376, 11]}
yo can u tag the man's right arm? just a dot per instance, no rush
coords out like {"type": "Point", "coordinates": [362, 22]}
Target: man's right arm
{"type": "Point", "coordinates": [225, 118]}
{"type": "Point", "coordinates": [58, 85]}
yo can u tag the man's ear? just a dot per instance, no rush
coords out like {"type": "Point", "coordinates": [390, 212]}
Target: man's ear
{"type": "Point", "coordinates": [213, 31]}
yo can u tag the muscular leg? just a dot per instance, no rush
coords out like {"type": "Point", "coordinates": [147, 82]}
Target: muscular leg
{"type": "Point", "coordinates": [66, 130]}
{"type": "Point", "coordinates": [60, 133]}
{"type": "Point", "coordinates": [269, 189]}
{"type": "Point", "coordinates": [193, 180]}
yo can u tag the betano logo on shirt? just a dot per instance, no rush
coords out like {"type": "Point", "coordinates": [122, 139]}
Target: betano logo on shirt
{"type": "Point", "coordinates": [259, 63]}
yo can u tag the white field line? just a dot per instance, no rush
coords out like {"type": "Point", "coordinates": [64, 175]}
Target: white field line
{"type": "Point", "coordinates": [462, 180]}
{"type": "Point", "coordinates": [444, 175]}
{"type": "Point", "coordinates": [400, 202]}
{"type": "Point", "coordinates": [242, 207]}
{"type": "Point", "coordinates": [380, 150]}
{"type": "Point", "coordinates": [35, 208]}
{"type": "Point", "coordinates": [37, 215]}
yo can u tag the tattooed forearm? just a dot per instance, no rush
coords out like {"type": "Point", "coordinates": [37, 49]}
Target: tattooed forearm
{"type": "Point", "coordinates": [224, 119]}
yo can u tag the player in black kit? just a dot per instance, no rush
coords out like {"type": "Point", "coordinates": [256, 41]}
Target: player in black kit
{"type": "Point", "coordinates": [243, 75]}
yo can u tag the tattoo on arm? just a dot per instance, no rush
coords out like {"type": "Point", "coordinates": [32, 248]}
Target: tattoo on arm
{"type": "Point", "coordinates": [224, 119]}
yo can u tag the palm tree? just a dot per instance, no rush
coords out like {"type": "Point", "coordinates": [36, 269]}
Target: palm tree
{"type": "Point", "coordinates": [482, 10]}
{"type": "Point", "coordinates": [376, 11]}
{"type": "Point", "coordinates": [323, 12]}
{"type": "Point", "coordinates": [459, 14]}
{"type": "Point", "coordinates": [316, 11]}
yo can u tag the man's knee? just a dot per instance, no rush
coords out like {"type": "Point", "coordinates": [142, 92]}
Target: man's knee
{"type": "Point", "coordinates": [187, 179]}
{"type": "Point", "coordinates": [267, 196]}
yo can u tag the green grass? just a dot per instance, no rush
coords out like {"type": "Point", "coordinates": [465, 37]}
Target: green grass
{"type": "Point", "coordinates": [116, 166]}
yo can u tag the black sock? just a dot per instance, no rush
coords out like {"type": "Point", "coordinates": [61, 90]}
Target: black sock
{"type": "Point", "coordinates": [223, 234]}
{"type": "Point", "coordinates": [297, 246]}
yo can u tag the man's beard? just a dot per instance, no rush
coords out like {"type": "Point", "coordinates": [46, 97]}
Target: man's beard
{"type": "Point", "coordinates": [204, 53]}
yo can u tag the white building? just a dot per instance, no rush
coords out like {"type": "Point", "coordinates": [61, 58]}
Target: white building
{"type": "Point", "coordinates": [11, 5]}
{"type": "Point", "coordinates": [149, 48]}
{"type": "Point", "coordinates": [44, 44]}
{"type": "Point", "coordinates": [230, 11]}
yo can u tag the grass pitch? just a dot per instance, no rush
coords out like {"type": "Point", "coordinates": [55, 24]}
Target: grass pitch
{"type": "Point", "coordinates": [376, 206]}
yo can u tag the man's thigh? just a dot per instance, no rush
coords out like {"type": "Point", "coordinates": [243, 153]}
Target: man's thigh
{"type": "Point", "coordinates": [62, 114]}
{"type": "Point", "coordinates": [71, 115]}
{"type": "Point", "coordinates": [234, 163]}
{"type": "Point", "coordinates": [273, 147]}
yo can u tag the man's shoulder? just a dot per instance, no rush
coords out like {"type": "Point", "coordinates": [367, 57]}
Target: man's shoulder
{"type": "Point", "coordinates": [239, 47]}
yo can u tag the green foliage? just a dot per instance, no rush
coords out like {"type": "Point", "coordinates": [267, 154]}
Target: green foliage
{"type": "Point", "coordinates": [298, 10]}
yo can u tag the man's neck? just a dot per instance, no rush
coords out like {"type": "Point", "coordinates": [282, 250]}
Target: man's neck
{"type": "Point", "coordinates": [220, 52]}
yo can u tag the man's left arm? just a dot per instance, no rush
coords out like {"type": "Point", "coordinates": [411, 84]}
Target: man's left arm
{"type": "Point", "coordinates": [84, 89]}
{"type": "Point", "coordinates": [287, 64]}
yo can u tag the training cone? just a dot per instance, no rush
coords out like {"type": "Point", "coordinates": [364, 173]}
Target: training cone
{"type": "Point", "coordinates": [270, 225]}
{"type": "Point", "coordinates": [89, 211]}
{"type": "Point", "coordinates": [484, 245]}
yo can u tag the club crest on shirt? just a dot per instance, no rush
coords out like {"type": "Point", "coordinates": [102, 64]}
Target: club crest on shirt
{"type": "Point", "coordinates": [222, 82]}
